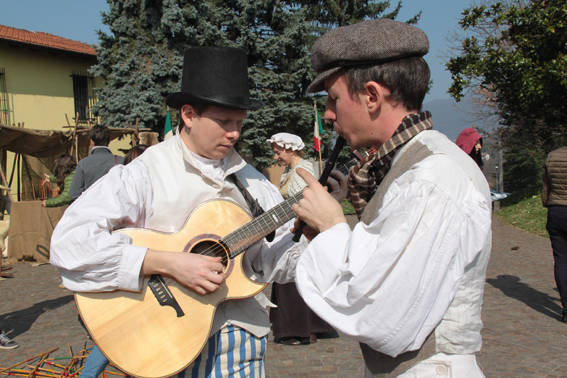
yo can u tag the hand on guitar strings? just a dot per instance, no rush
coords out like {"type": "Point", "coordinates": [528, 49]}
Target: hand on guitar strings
{"type": "Point", "coordinates": [202, 274]}
{"type": "Point", "coordinates": [318, 209]}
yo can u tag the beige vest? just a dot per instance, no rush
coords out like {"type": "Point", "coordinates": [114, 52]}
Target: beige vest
{"type": "Point", "coordinates": [382, 365]}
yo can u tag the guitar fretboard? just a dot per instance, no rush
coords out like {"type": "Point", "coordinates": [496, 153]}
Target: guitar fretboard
{"type": "Point", "coordinates": [240, 239]}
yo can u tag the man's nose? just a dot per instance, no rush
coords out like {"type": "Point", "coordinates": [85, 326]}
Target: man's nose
{"type": "Point", "coordinates": [329, 115]}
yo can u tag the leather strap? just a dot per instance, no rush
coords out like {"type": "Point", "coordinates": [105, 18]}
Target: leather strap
{"type": "Point", "coordinates": [252, 202]}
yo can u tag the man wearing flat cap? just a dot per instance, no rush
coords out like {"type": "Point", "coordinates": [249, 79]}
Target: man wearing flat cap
{"type": "Point", "coordinates": [196, 173]}
{"type": "Point", "coordinates": [407, 281]}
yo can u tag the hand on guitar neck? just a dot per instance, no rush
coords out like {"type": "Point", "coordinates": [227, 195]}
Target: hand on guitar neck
{"type": "Point", "coordinates": [318, 209]}
{"type": "Point", "coordinates": [202, 274]}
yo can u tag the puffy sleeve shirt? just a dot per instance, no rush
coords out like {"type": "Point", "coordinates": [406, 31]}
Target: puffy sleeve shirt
{"type": "Point", "coordinates": [388, 283]}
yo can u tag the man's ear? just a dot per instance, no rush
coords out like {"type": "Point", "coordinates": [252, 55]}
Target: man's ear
{"type": "Point", "coordinates": [187, 114]}
{"type": "Point", "coordinates": [375, 95]}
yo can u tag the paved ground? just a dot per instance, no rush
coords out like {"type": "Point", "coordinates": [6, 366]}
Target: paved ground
{"type": "Point", "coordinates": [522, 335]}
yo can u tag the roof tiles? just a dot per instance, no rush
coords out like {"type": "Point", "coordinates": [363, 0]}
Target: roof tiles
{"type": "Point", "coordinates": [45, 40]}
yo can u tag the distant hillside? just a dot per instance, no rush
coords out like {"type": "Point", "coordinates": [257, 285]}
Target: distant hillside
{"type": "Point", "coordinates": [451, 118]}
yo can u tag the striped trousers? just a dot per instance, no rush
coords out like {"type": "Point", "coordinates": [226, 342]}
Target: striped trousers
{"type": "Point", "coordinates": [231, 352]}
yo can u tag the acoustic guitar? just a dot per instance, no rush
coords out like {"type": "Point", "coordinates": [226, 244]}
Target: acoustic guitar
{"type": "Point", "coordinates": [162, 329]}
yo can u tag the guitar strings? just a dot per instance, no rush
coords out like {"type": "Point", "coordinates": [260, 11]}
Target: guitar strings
{"type": "Point", "coordinates": [217, 248]}
{"type": "Point", "coordinates": [339, 143]}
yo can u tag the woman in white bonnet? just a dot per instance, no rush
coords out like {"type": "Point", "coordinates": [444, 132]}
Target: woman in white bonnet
{"type": "Point", "coordinates": [288, 150]}
{"type": "Point", "coordinates": [293, 322]}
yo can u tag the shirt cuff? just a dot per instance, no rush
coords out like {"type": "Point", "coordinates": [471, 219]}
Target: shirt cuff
{"type": "Point", "coordinates": [130, 277]}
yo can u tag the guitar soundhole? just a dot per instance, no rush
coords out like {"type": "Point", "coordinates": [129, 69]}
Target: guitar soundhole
{"type": "Point", "coordinates": [211, 248]}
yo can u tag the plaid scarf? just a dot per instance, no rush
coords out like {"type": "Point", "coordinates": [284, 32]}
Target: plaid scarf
{"type": "Point", "coordinates": [364, 178]}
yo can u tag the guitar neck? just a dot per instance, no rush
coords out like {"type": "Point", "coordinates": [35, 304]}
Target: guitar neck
{"type": "Point", "coordinates": [240, 239]}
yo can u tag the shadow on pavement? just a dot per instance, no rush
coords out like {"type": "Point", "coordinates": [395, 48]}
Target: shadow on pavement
{"type": "Point", "coordinates": [20, 321]}
{"type": "Point", "coordinates": [512, 287]}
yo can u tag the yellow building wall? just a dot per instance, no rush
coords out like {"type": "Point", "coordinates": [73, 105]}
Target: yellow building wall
{"type": "Point", "coordinates": [40, 91]}
{"type": "Point", "coordinates": [40, 86]}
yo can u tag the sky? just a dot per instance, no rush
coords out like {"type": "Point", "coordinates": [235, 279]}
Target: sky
{"type": "Point", "coordinates": [79, 20]}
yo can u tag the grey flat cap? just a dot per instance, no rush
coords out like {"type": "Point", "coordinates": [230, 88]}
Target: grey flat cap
{"type": "Point", "coordinates": [364, 43]}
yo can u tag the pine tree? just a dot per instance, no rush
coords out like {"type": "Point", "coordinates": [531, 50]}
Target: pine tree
{"type": "Point", "coordinates": [141, 60]}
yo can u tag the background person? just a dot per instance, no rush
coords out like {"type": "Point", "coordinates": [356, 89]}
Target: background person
{"type": "Point", "coordinates": [293, 322]}
{"type": "Point", "coordinates": [470, 141]}
{"type": "Point", "coordinates": [134, 152]}
{"type": "Point", "coordinates": [97, 164]}
{"type": "Point", "coordinates": [554, 197]}
{"type": "Point", "coordinates": [160, 189]}
{"type": "Point", "coordinates": [407, 281]}
{"type": "Point", "coordinates": [63, 173]}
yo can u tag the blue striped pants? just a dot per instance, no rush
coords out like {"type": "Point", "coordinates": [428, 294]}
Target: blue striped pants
{"type": "Point", "coordinates": [231, 352]}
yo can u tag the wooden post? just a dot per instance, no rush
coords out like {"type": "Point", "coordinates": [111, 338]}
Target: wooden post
{"type": "Point", "coordinates": [76, 139]}
{"type": "Point", "coordinates": [3, 177]}
{"type": "Point", "coordinates": [18, 178]}
{"type": "Point", "coordinates": [137, 133]}
{"type": "Point", "coordinates": [500, 170]}
{"type": "Point", "coordinates": [74, 142]}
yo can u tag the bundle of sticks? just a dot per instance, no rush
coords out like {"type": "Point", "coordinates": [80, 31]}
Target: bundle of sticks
{"type": "Point", "coordinates": [42, 365]}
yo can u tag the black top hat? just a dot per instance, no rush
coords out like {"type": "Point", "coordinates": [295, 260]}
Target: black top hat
{"type": "Point", "coordinates": [216, 76]}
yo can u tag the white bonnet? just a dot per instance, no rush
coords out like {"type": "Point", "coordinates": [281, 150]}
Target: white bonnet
{"type": "Point", "coordinates": [287, 141]}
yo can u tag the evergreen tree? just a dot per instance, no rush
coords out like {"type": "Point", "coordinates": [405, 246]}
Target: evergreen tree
{"type": "Point", "coordinates": [141, 60]}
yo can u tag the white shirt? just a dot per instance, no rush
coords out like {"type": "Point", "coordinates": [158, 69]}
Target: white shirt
{"type": "Point", "coordinates": [158, 190]}
{"type": "Point", "coordinates": [390, 283]}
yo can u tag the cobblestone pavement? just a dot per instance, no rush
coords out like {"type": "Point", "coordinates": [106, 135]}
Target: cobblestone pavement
{"type": "Point", "coordinates": [522, 334]}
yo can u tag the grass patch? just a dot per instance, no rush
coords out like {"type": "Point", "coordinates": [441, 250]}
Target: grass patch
{"type": "Point", "coordinates": [527, 214]}
{"type": "Point", "coordinates": [347, 207]}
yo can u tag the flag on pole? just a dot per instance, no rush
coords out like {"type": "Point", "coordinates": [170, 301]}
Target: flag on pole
{"type": "Point", "coordinates": [317, 130]}
{"type": "Point", "coordinates": [167, 130]}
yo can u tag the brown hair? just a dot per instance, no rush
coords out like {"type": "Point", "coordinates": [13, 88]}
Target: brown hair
{"type": "Point", "coordinates": [199, 109]}
{"type": "Point", "coordinates": [100, 135]}
{"type": "Point", "coordinates": [62, 166]}
{"type": "Point", "coordinates": [407, 79]}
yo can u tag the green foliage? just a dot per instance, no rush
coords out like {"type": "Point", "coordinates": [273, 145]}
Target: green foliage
{"type": "Point", "coordinates": [527, 214]}
{"type": "Point", "coordinates": [517, 53]}
{"type": "Point", "coordinates": [348, 209]}
{"type": "Point", "coordinates": [141, 58]}
{"type": "Point", "coordinates": [525, 158]}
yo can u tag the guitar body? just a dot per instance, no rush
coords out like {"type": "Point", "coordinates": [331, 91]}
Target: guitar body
{"type": "Point", "coordinates": [144, 338]}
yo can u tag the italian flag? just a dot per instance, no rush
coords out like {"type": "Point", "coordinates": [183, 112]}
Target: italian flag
{"type": "Point", "coordinates": [317, 130]}
{"type": "Point", "coordinates": [167, 130]}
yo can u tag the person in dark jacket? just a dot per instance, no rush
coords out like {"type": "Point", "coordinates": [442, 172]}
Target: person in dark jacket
{"type": "Point", "coordinates": [554, 197]}
{"type": "Point", "coordinates": [94, 166]}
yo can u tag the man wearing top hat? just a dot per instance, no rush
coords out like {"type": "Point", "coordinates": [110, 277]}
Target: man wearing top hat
{"type": "Point", "coordinates": [407, 281]}
{"type": "Point", "coordinates": [160, 189]}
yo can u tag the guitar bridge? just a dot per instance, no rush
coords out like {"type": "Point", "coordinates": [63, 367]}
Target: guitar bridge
{"type": "Point", "coordinates": [163, 294]}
